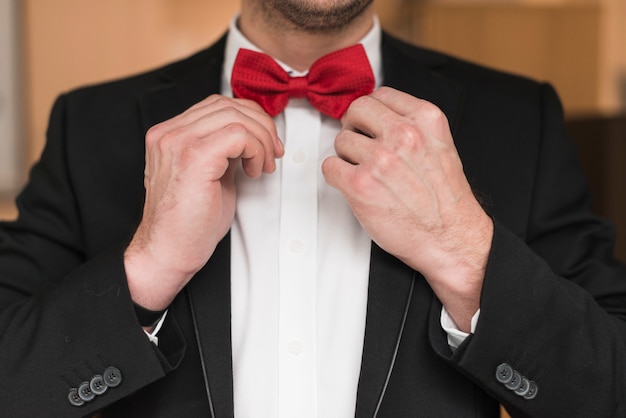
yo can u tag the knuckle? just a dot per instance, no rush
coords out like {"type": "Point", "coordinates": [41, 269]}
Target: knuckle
{"type": "Point", "coordinates": [168, 142]}
{"type": "Point", "coordinates": [235, 129]}
{"type": "Point", "coordinates": [385, 162]}
{"type": "Point", "coordinates": [154, 133]}
{"type": "Point", "coordinates": [214, 97]}
{"type": "Point", "coordinates": [361, 100]}
{"type": "Point", "coordinates": [229, 112]}
{"type": "Point", "coordinates": [227, 109]}
{"type": "Point", "coordinates": [171, 136]}
{"type": "Point", "coordinates": [408, 136]}
{"type": "Point", "coordinates": [364, 186]}
{"type": "Point", "coordinates": [356, 104]}
{"type": "Point", "coordinates": [362, 182]}
{"type": "Point", "coordinates": [328, 167]}
{"type": "Point", "coordinates": [161, 139]}
{"type": "Point", "coordinates": [432, 113]}
{"type": "Point", "coordinates": [341, 139]}
{"type": "Point", "coordinates": [218, 98]}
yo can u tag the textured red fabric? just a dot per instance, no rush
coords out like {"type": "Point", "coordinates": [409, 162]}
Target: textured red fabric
{"type": "Point", "coordinates": [332, 83]}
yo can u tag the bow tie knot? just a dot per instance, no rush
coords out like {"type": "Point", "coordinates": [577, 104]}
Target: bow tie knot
{"type": "Point", "coordinates": [298, 87]}
{"type": "Point", "coordinates": [332, 83]}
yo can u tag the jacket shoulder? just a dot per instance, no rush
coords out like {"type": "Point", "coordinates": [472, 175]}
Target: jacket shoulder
{"type": "Point", "coordinates": [454, 67]}
{"type": "Point", "coordinates": [129, 86]}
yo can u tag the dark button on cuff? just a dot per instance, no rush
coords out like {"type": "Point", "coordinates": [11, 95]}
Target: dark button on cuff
{"type": "Point", "coordinates": [97, 385]}
{"type": "Point", "coordinates": [515, 382]}
{"type": "Point", "coordinates": [74, 399]}
{"type": "Point", "coordinates": [532, 390]}
{"type": "Point", "coordinates": [85, 392]}
{"type": "Point", "coordinates": [524, 387]}
{"type": "Point", "coordinates": [504, 373]}
{"type": "Point", "coordinates": [112, 377]}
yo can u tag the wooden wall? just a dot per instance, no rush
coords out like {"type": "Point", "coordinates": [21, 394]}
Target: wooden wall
{"type": "Point", "coordinates": [554, 42]}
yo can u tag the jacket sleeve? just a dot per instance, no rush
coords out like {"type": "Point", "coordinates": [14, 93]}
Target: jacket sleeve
{"type": "Point", "coordinates": [551, 339]}
{"type": "Point", "coordinates": [70, 343]}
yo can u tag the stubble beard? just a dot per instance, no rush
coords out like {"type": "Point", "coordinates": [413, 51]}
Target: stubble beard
{"type": "Point", "coordinates": [311, 17]}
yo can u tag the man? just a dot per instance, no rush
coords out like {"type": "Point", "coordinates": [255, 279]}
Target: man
{"type": "Point", "coordinates": [284, 262]}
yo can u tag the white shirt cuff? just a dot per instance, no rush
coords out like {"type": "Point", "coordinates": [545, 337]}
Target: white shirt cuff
{"type": "Point", "coordinates": [455, 335]}
{"type": "Point", "coordinates": [152, 336]}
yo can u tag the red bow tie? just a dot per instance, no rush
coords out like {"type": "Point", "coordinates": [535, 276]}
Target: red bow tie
{"type": "Point", "coordinates": [332, 83]}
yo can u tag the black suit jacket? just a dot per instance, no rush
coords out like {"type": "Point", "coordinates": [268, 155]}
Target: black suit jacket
{"type": "Point", "coordinates": [552, 306]}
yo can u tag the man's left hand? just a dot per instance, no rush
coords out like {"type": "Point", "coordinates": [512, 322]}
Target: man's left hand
{"type": "Point", "coordinates": [399, 170]}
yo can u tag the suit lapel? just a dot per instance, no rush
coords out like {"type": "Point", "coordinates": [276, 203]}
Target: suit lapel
{"type": "Point", "coordinates": [209, 300]}
{"type": "Point", "coordinates": [388, 299]}
{"type": "Point", "coordinates": [180, 87]}
{"type": "Point", "coordinates": [391, 283]}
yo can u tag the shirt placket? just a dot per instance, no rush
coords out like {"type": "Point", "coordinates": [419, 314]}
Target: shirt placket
{"type": "Point", "coordinates": [297, 358]}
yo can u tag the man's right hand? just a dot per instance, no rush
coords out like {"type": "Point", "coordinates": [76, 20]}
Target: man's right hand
{"type": "Point", "coordinates": [190, 191]}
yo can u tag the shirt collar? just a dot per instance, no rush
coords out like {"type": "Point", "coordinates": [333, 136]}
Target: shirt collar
{"type": "Point", "coordinates": [236, 40]}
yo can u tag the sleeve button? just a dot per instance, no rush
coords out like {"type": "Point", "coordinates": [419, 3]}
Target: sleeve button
{"type": "Point", "coordinates": [524, 387]}
{"type": "Point", "coordinates": [532, 390]}
{"type": "Point", "coordinates": [112, 377]}
{"type": "Point", "coordinates": [97, 385]}
{"type": "Point", "coordinates": [74, 399]}
{"type": "Point", "coordinates": [515, 382]}
{"type": "Point", "coordinates": [85, 392]}
{"type": "Point", "coordinates": [504, 373]}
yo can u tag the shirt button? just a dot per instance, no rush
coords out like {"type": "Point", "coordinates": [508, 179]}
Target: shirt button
{"type": "Point", "coordinates": [298, 157]}
{"type": "Point", "coordinates": [296, 347]}
{"type": "Point", "coordinates": [296, 246]}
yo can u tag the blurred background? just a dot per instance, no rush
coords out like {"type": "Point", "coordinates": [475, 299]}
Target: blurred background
{"type": "Point", "coordinates": [48, 47]}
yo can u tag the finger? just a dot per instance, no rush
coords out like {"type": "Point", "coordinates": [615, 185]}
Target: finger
{"type": "Point", "coordinates": [253, 129]}
{"type": "Point", "coordinates": [231, 124]}
{"type": "Point", "coordinates": [218, 99]}
{"type": "Point", "coordinates": [220, 105]}
{"type": "Point", "coordinates": [208, 144]}
{"type": "Point", "coordinates": [354, 147]}
{"type": "Point", "coordinates": [250, 141]}
{"type": "Point", "coordinates": [248, 107]}
{"type": "Point", "coordinates": [399, 102]}
{"type": "Point", "coordinates": [337, 173]}
{"type": "Point", "coordinates": [367, 115]}
{"type": "Point", "coordinates": [418, 110]}
{"type": "Point", "coordinates": [242, 144]}
{"type": "Point", "coordinates": [253, 109]}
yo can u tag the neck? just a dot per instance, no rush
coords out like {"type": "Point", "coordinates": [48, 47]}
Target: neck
{"type": "Point", "coordinates": [299, 48]}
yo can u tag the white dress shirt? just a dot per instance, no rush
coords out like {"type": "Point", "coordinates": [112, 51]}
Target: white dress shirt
{"type": "Point", "coordinates": [299, 271]}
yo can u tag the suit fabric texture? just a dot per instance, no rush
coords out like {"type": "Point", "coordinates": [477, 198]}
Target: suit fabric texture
{"type": "Point", "coordinates": [553, 303]}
